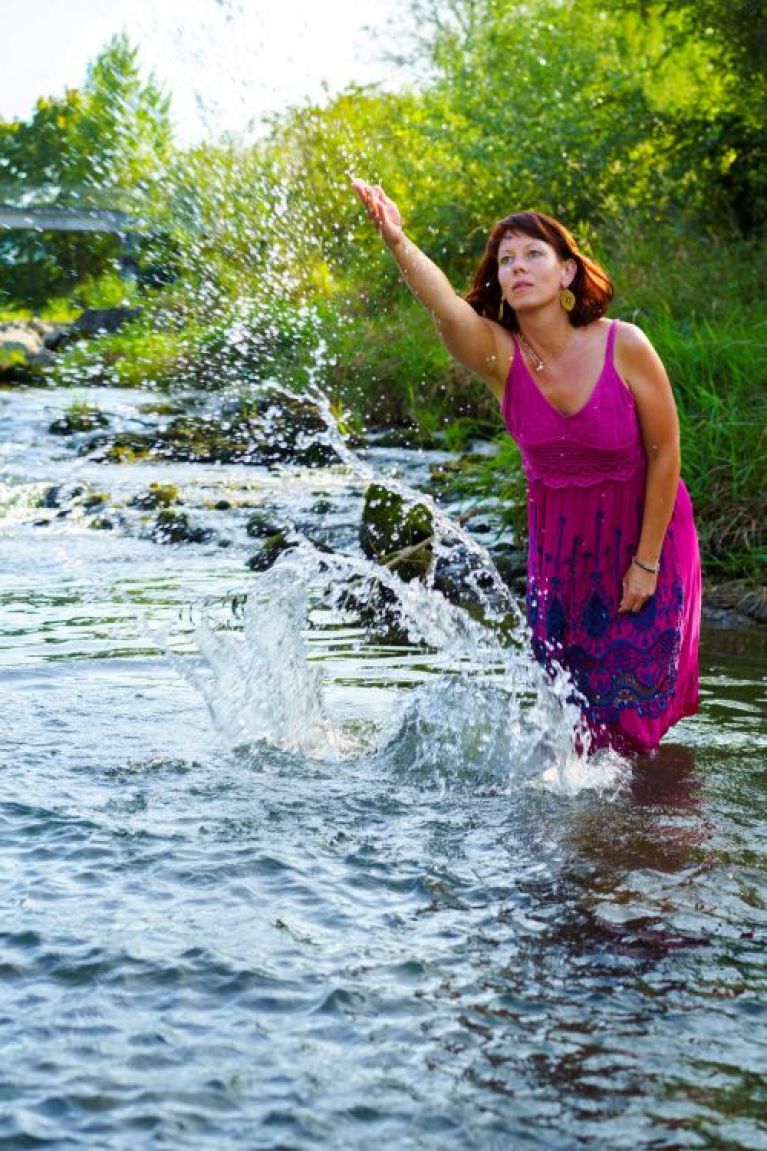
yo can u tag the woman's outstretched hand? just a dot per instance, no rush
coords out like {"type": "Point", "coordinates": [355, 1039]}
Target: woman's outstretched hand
{"type": "Point", "coordinates": [382, 211]}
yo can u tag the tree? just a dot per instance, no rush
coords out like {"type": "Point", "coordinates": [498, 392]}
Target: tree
{"type": "Point", "coordinates": [104, 145]}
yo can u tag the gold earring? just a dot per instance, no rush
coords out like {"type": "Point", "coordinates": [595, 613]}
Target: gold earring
{"type": "Point", "coordinates": [500, 310]}
{"type": "Point", "coordinates": [567, 299]}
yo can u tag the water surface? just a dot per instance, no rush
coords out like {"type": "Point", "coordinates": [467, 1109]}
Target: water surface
{"type": "Point", "coordinates": [368, 911]}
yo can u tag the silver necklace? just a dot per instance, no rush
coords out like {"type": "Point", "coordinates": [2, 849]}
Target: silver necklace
{"type": "Point", "coordinates": [538, 363]}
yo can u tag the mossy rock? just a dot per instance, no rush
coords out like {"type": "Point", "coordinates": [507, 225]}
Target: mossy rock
{"type": "Point", "coordinates": [123, 448]}
{"type": "Point", "coordinates": [270, 551]}
{"type": "Point", "coordinates": [261, 527]}
{"type": "Point", "coordinates": [171, 406]}
{"type": "Point", "coordinates": [247, 432]}
{"type": "Point", "coordinates": [157, 496]}
{"type": "Point", "coordinates": [172, 527]}
{"type": "Point", "coordinates": [389, 527]}
{"type": "Point", "coordinates": [82, 418]}
{"type": "Point", "coordinates": [93, 500]}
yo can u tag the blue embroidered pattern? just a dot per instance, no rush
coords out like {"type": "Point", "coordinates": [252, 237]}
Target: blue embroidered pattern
{"type": "Point", "coordinates": [616, 661]}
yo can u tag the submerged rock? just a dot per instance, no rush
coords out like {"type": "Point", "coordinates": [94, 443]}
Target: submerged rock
{"type": "Point", "coordinates": [395, 534]}
{"type": "Point", "coordinates": [260, 526]}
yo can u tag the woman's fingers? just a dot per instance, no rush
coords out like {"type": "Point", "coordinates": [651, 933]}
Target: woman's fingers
{"type": "Point", "coordinates": [370, 199]}
{"type": "Point", "coordinates": [637, 588]}
{"type": "Point", "coordinates": [364, 191]}
{"type": "Point", "coordinates": [382, 211]}
{"type": "Point", "coordinates": [632, 602]}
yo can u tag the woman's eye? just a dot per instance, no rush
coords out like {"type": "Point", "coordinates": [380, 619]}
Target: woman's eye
{"type": "Point", "coordinates": [536, 252]}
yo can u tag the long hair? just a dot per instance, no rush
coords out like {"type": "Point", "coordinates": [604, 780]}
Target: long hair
{"type": "Point", "coordinates": [591, 285]}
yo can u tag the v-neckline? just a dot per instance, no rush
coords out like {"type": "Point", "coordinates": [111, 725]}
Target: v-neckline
{"type": "Point", "coordinates": [546, 400]}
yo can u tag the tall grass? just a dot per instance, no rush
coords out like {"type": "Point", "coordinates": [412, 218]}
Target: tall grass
{"type": "Point", "coordinates": [718, 371]}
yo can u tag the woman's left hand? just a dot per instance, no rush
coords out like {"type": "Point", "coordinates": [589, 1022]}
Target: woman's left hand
{"type": "Point", "coordinates": [638, 587]}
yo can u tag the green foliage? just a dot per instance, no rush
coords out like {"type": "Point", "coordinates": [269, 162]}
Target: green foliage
{"type": "Point", "coordinates": [132, 357]}
{"type": "Point", "coordinates": [9, 360]}
{"type": "Point", "coordinates": [99, 146]}
{"type": "Point", "coordinates": [107, 290]}
{"type": "Point", "coordinates": [718, 377]}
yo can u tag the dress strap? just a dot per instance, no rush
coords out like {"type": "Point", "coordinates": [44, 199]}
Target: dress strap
{"type": "Point", "coordinates": [611, 342]}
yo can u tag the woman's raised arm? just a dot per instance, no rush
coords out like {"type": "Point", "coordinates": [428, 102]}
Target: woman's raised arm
{"type": "Point", "coordinates": [479, 344]}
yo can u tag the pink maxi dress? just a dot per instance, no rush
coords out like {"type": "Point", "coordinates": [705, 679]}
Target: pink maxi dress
{"type": "Point", "coordinates": [636, 673]}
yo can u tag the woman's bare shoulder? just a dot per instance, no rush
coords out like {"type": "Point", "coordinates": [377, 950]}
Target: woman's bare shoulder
{"type": "Point", "coordinates": [630, 337]}
{"type": "Point", "coordinates": [638, 363]}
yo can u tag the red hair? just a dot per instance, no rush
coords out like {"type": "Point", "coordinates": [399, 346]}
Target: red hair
{"type": "Point", "coordinates": [591, 285]}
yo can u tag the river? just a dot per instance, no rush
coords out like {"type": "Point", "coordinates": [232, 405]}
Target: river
{"type": "Point", "coordinates": [273, 879]}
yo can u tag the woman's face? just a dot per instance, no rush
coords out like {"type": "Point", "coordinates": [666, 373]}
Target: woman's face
{"type": "Point", "coordinates": [530, 272]}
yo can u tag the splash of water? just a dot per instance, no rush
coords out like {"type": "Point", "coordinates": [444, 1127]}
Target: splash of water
{"type": "Point", "coordinates": [486, 715]}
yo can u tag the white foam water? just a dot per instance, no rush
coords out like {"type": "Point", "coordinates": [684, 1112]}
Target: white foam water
{"type": "Point", "coordinates": [486, 714]}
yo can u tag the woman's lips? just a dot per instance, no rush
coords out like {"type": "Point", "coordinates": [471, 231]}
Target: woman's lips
{"type": "Point", "coordinates": [521, 284]}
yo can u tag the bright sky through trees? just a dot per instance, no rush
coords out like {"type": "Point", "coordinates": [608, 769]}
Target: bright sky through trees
{"type": "Point", "coordinates": [225, 62]}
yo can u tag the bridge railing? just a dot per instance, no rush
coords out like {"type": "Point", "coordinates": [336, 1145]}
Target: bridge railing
{"type": "Point", "coordinates": [49, 208]}
{"type": "Point", "coordinates": [55, 219]}
{"type": "Point", "coordinates": [17, 194]}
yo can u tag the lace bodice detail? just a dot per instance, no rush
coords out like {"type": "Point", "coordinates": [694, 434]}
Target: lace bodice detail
{"type": "Point", "coordinates": [601, 441]}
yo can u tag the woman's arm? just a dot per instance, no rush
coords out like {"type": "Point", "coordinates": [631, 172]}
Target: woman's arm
{"type": "Point", "coordinates": [642, 369]}
{"type": "Point", "coordinates": [479, 344]}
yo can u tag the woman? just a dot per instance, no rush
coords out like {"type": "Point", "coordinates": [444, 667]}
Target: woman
{"type": "Point", "coordinates": [613, 587]}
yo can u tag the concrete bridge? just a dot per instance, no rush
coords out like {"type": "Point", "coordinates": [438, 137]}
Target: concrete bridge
{"type": "Point", "coordinates": [30, 213]}
{"type": "Point", "coordinates": [39, 218]}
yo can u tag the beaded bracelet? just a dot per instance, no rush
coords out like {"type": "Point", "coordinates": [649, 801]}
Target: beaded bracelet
{"type": "Point", "coordinates": [653, 569]}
